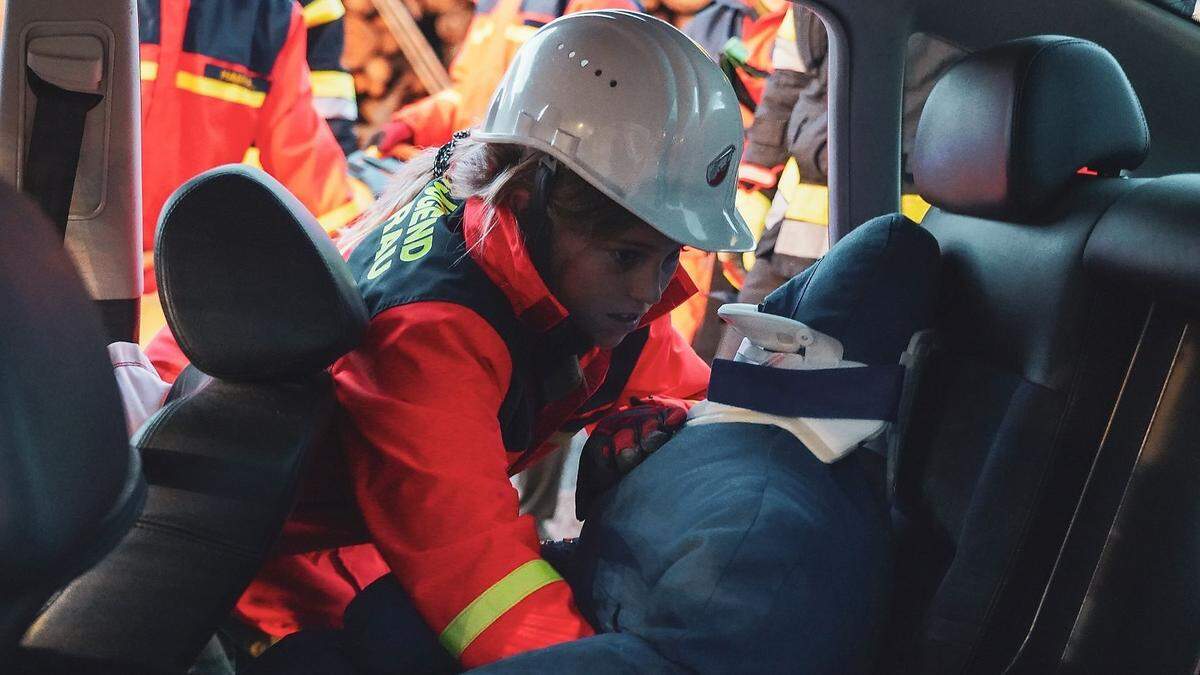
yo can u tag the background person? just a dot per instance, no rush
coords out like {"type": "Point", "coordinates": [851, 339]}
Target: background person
{"type": "Point", "coordinates": [219, 77]}
{"type": "Point", "coordinates": [784, 171]}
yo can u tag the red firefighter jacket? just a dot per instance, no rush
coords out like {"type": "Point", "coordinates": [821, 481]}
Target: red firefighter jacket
{"type": "Point", "coordinates": [218, 77]}
{"type": "Point", "coordinates": [443, 402]}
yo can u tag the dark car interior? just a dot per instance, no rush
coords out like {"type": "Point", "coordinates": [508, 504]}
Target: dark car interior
{"type": "Point", "coordinates": [1045, 492]}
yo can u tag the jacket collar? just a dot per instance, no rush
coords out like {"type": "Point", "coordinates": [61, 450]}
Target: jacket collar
{"type": "Point", "coordinates": [505, 260]}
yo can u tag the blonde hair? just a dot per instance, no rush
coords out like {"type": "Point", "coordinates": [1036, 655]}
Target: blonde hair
{"type": "Point", "coordinates": [497, 173]}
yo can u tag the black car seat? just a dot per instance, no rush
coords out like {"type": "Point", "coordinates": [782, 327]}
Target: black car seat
{"type": "Point", "coordinates": [1124, 596]}
{"type": "Point", "coordinates": [1019, 149]}
{"type": "Point", "coordinates": [70, 485]}
{"type": "Point", "coordinates": [261, 303]}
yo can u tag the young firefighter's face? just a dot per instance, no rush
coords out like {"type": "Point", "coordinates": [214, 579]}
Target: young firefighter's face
{"type": "Point", "coordinates": [609, 283]}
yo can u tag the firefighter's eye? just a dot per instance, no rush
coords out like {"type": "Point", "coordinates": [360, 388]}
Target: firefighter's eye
{"type": "Point", "coordinates": [626, 258]}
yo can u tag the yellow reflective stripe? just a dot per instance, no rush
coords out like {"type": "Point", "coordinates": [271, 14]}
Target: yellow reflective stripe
{"type": "Point", "coordinates": [149, 70]}
{"type": "Point", "coordinates": [340, 216]}
{"type": "Point", "coordinates": [914, 207]}
{"type": "Point", "coordinates": [252, 157]}
{"type": "Point", "coordinates": [207, 86]}
{"type": "Point", "coordinates": [787, 29]}
{"type": "Point", "coordinates": [808, 202]}
{"type": "Point", "coordinates": [494, 602]}
{"type": "Point", "coordinates": [321, 12]}
{"type": "Point", "coordinates": [332, 84]}
{"type": "Point", "coordinates": [753, 205]}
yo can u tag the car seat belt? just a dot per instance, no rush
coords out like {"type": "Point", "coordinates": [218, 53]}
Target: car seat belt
{"type": "Point", "coordinates": [56, 139]}
{"type": "Point", "coordinates": [892, 443]}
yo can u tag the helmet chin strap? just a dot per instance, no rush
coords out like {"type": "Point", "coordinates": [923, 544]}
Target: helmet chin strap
{"type": "Point", "coordinates": [535, 221]}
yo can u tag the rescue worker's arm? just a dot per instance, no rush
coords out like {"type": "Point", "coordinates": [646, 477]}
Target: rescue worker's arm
{"type": "Point", "coordinates": [474, 74]}
{"type": "Point", "coordinates": [669, 377]}
{"type": "Point", "coordinates": [767, 139]}
{"type": "Point", "coordinates": [296, 145]}
{"type": "Point", "coordinates": [429, 469]}
{"type": "Point", "coordinates": [332, 85]}
{"type": "Point", "coordinates": [428, 122]}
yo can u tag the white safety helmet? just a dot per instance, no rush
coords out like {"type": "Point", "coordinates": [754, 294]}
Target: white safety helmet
{"type": "Point", "coordinates": [639, 111]}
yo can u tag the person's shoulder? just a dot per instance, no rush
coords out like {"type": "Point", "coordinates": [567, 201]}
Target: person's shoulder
{"type": "Point", "coordinates": [437, 336]}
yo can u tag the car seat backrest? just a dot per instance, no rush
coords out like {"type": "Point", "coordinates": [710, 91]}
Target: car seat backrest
{"type": "Point", "coordinates": [1123, 596]}
{"type": "Point", "coordinates": [1016, 399]}
{"type": "Point", "coordinates": [70, 485]}
{"type": "Point", "coordinates": [261, 302]}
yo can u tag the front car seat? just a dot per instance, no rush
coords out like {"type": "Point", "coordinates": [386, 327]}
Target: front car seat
{"type": "Point", "coordinates": [261, 303]}
{"type": "Point", "coordinates": [70, 485]}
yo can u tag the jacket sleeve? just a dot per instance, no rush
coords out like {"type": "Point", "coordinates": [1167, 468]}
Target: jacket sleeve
{"type": "Point", "coordinates": [332, 85]}
{"type": "Point", "coordinates": [435, 118]}
{"type": "Point", "coordinates": [668, 366]}
{"type": "Point", "coordinates": [429, 470]}
{"type": "Point", "coordinates": [297, 146]}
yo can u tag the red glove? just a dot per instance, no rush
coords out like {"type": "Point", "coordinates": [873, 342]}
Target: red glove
{"type": "Point", "coordinates": [390, 135]}
{"type": "Point", "coordinates": [620, 442]}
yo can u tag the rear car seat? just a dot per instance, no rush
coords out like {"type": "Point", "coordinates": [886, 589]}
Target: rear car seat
{"type": "Point", "coordinates": [261, 302]}
{"type": "Point", "coordinates": [1031, 353]}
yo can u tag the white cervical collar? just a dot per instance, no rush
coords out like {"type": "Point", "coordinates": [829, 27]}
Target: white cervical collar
{"type": "Point", "coordinates": [828, 439]}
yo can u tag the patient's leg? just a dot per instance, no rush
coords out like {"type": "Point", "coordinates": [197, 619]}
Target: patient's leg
{"type": "Point", "coordinates": [733, 548]}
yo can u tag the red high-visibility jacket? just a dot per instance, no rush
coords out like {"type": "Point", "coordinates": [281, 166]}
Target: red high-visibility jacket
{"type": "Point", "coordinates": [430, 435]}
{"type": "Point", "coordinates": [218, 77]}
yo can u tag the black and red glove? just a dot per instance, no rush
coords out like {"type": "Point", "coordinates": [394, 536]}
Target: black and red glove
{"type": "Point", "coordinates": [620, 442]}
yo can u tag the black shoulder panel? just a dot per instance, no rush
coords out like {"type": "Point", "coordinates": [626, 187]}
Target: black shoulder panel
{"type": "Point", "coordinates": [250, 33]}
{"type": "Point", "coordinates": [148, 18]}
{"type": "Point", "coordinates": [418, 254]}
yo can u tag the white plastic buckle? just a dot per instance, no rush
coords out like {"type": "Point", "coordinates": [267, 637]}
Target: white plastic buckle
{"type": "Point", "coordinates": [768, 334]}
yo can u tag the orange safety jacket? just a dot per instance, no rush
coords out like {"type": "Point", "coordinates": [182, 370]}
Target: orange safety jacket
{"type": "Point", "coordinates": [497, 30]}
{"type": "Point", "coordinates": [218, 77]}
{"type": "Point", "coordinates": [462, 379]}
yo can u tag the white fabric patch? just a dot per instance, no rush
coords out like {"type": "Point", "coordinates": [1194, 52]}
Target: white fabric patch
{"type": "Point", "coordinates": [802, 239]}
{"type": "Point", "coordinates": [828, 439]}
{"type": "Point", "coordinates": [336, 108]}
{"type": "Point", "coordinates": [142, 390]}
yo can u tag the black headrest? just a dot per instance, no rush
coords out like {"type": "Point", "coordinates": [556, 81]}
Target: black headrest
{"type": "Point", "coordinates": [1008, 128]}
{"type": "Point", "coordinates": [251, 286]}
{"type": "Point", "coordinates": [65, 461]}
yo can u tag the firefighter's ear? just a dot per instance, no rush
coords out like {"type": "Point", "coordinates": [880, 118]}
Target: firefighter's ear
{"type": "Point", "coordinates": [518, 201]}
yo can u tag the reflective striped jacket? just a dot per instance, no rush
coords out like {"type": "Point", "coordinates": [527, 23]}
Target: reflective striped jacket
{"type": "Point", "coordinates": [219, 76]}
